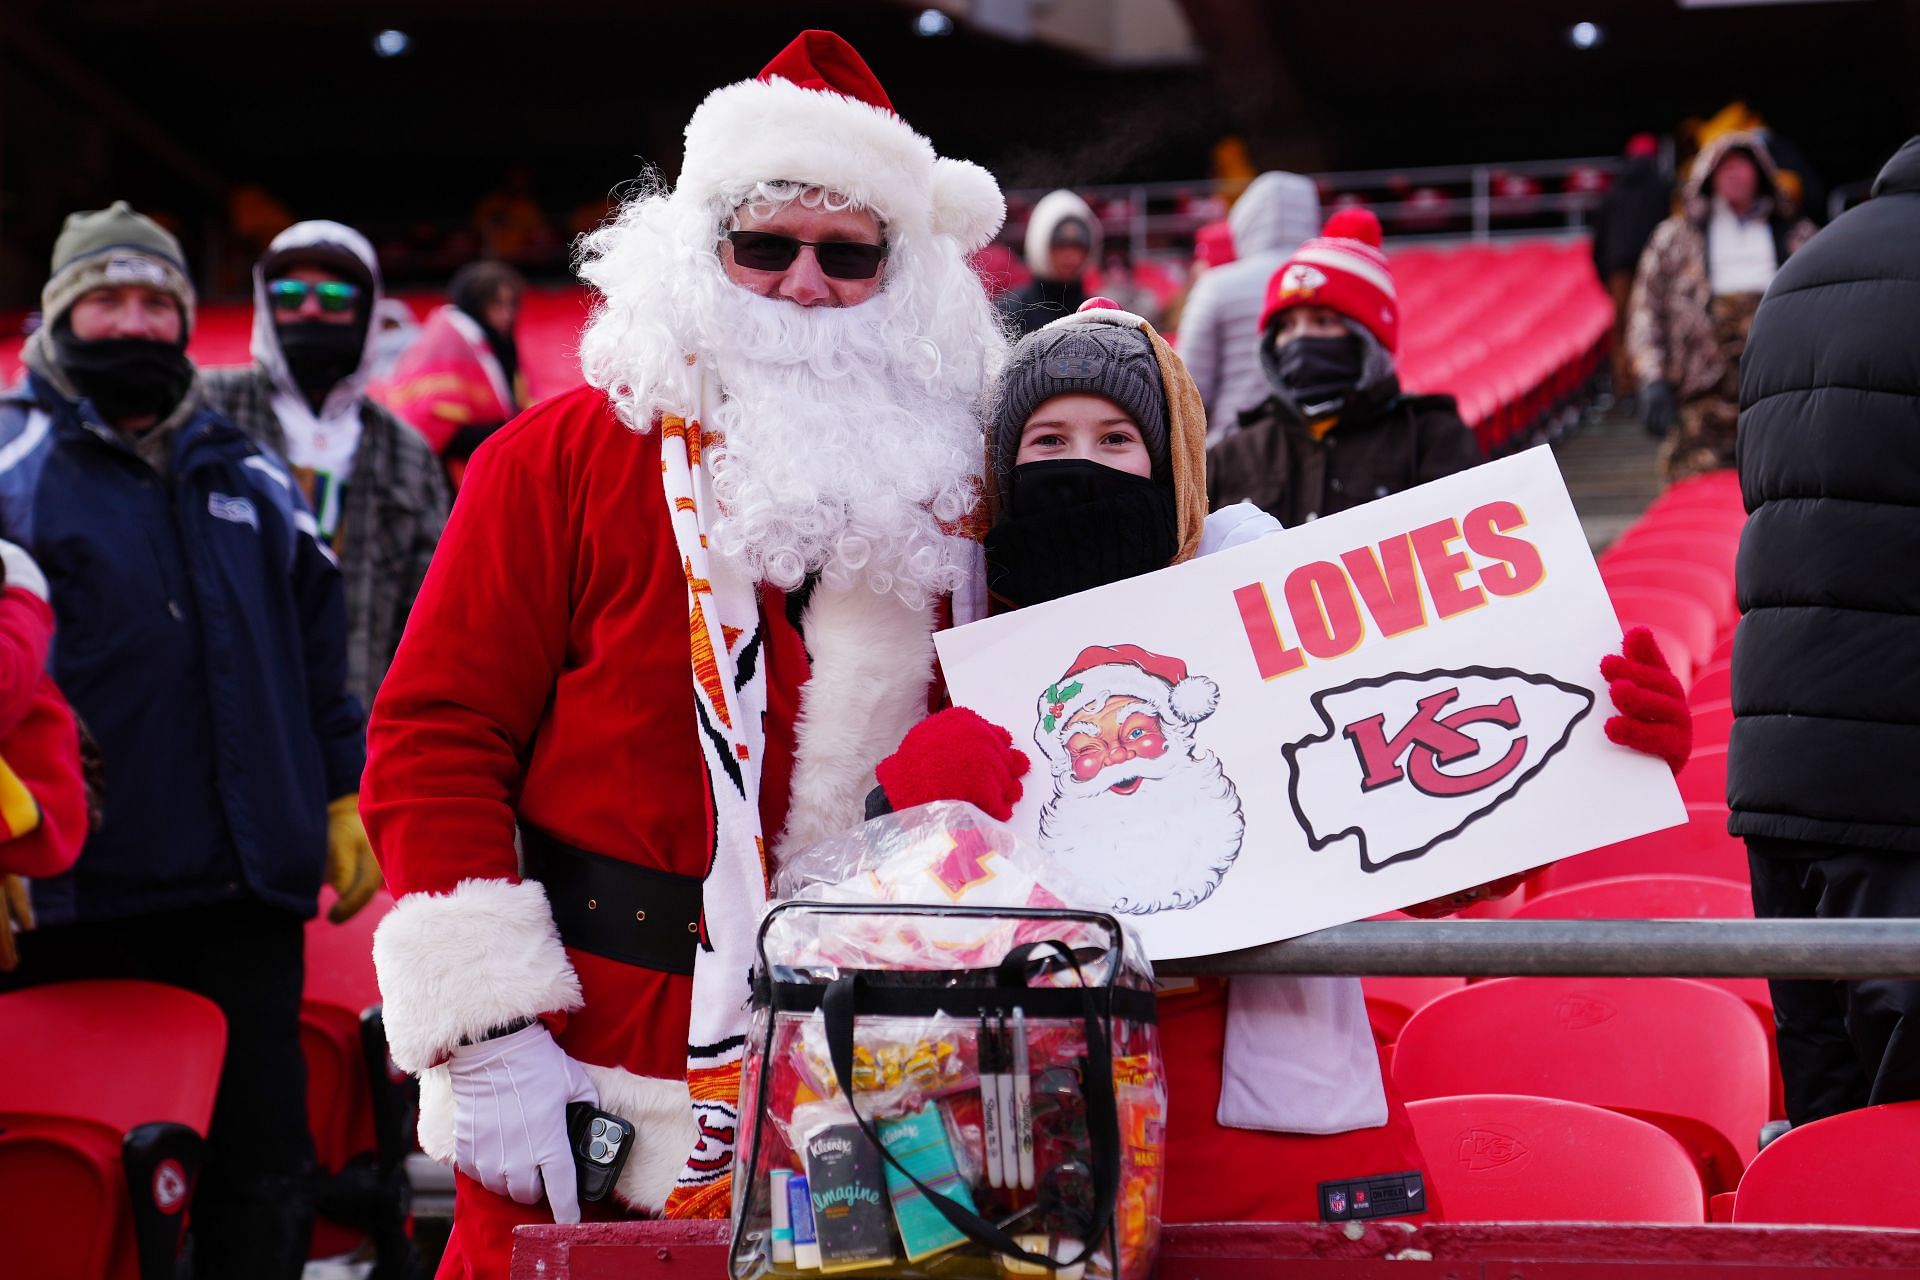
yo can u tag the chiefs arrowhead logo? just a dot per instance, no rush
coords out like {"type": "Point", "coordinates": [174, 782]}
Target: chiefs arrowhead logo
{"type": "Point", "coordinates": [1578, 1013]}
{"type": "Point", "coordinates": [1407, 761]}
{"type": "Point", "coordinates": [1302, 280]}
{"type": "Point", "coordinates": [1481, 1149]}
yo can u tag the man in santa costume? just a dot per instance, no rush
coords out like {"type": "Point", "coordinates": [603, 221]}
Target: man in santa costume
{"type": "Point", "coordinates": [676, 619]}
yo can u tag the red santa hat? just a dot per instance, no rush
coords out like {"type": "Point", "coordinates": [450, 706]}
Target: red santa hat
{"type": "Point", "coordinates": [1123, 671]}
{"type": "Point", "coordinates": [817, 115]}
{"type": "Point", "coordinates": [1344, 270]}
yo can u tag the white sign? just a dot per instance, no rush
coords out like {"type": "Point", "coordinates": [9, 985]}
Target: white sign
{"type": "Point", "coordinates": [1380, 707]}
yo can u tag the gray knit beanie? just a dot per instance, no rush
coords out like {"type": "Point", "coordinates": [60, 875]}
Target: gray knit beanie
{"type": "Point", "coordinates": [99, 248]}
{"type": "Point", "coordinates": [1080, 355]}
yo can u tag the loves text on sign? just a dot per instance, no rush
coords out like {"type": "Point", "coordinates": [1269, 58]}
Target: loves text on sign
{"type": "Point", "coordinates": [1381, 707]}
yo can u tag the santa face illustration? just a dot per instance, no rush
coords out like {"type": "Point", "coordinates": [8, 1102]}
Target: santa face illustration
{"type": "Point", "coordinates": [1138, 806]}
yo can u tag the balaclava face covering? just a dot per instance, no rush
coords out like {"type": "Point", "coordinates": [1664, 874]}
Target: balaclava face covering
{"type": "Point", "coordinates": [321, 355]}
{"type": "Point", "coordinates": [125, 378]}
{"type": "Point", "coordinates": [1070, 525]}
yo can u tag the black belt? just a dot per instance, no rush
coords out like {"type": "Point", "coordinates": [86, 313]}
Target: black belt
{"type": "Point", "coordinates": [632, 914]}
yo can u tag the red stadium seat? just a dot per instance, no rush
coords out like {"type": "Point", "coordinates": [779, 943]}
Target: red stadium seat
{"type": "Point", "coordinates": [1502, 1157]}
{"type": "Point", "coordinates": [1712, 683]}
{"type": "Point", "coordinates": [1713, 489]}
{"type": "Point", "coordinates": [106, 1092]}
{"type": "Point", "coordinates": [1712, 724]}
{"type": "Point", "coordinates": [355, 1106]}
{"type": "Point", "coordinates": [1670, 897]}
{"type": "Point", "coordinates": [1700, 847]}
{"type": "Point", "coordinates": [1391, 1001]}
{"type": "Point", "coordinates": [1679, 614]}
{"type": "Point", "coordinates": [1855, 1170]}
{"type": "Point", "coordinates": [1683, 1055]}
{"type": "Point", "coordinates": [1716, 551]}
{"type": "Point", "coordinates": [1709, 586]}
{"type": "Point", "coordinates": [1704, 780]}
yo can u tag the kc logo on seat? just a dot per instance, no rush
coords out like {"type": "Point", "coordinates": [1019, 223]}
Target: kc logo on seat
{"type": "Point", "coordinates": [1403, 762]}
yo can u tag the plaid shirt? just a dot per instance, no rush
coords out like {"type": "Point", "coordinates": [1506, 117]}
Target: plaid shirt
{"type": "Point", "coordinates": [390, 518]}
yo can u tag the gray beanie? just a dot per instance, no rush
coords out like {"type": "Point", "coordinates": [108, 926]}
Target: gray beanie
{"type": "Point", "coordinates": [1081, 355]}
{"type": "Point", "coordinates": [100, 248]}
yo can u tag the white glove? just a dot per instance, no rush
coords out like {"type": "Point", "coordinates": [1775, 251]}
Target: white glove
{"type": "Point", "coordinates": [510, 1101]}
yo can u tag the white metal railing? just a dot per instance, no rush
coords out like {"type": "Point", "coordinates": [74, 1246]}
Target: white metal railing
{"type": "Point", "coordinates": [1160, 219]}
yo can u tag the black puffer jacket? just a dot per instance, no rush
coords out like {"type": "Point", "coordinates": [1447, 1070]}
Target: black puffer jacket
{"type": "Point", "coordinates": [1826, 664]}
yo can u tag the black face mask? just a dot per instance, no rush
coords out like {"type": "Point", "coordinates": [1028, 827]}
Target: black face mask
{"type": "Point", "coordinates": [1320, 370]}
{"type": "Point", "coordinates": [1073, 525]}
{"type": "Point", "coordinates": [125, 378]}
{"type": "Point", "coordinates": [320, 355]}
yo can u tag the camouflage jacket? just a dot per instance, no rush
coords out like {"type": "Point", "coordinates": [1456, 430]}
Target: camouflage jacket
{"type": "Point", "coordinates": [1670, 335]}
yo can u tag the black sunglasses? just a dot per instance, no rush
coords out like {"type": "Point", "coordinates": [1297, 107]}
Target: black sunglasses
{"type": "Point", "coordinates": [840, 259]}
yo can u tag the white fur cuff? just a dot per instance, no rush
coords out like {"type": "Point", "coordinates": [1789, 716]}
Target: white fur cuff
{"type": "Point", "coordinates": [663, 1130]}
{"type": "Point", "coordinates": [454, 965]}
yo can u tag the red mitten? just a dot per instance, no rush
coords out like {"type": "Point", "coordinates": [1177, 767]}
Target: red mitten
{"type": "Point", "coordinates": [955, 755]}
{"type": "Point", "coordinates": [1653, 707]}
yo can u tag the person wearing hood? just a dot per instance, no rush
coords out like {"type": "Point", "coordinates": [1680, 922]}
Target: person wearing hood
{"type": "Point", "coordinates": [1826, 717]}
{"type": "Point", "coordinates": [377, 492]}
{"type": "Point", "coordinates": [1095, 473]}
{"type": "Point", "coordinates": [201, 638]}
{"type": "Point", "coordinates": [1063, 240]}
{"type": "Point", "coordinates": [1698, 285]}
{"type": "Point", "coordinates": [1336, 430]}
{"type": "Point", "coordinates": [1219, 326]}
{"type": "Point", "coordinates": [460, 380]}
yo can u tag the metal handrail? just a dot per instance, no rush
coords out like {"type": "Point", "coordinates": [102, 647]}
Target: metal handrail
{"type": "Point", "coordinates": [1481, 206]}
{"type": "Point", "coordinates": [1822, 949]}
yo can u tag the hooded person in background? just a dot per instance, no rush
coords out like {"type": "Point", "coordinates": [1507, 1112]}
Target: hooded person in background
{"type": "Point", "coordinates": [1220, 325]}
{"type": "Point", "coordinates": [1063, 240]}
{"type": "Point", "coordinates": [1699, 283]}
{"type": "Point", "coordinates": [460, 380]}
{"type": "Point", "coordinates": [372, 481]}
{"type": "Point", "coordinates": [1336, 430]}
{"type": "Point", "coordinates": [202, 640]}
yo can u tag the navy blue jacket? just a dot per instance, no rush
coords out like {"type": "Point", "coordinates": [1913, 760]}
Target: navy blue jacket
{"type": "Point", "coordinates": [202, 640]}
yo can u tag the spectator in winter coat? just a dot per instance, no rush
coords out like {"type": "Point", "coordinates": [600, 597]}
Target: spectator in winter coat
{"type": "Point", "coordinates": [1336, 430]}
{"type": "Point", "coordinates": [1063, 239]}
{"type": "Point", "coordinates": [1095, 474]}
{"type": "Point", "coordinates": [1220, 324]}
{"type": "Point", "coordinates": [43, 792]}
{"type": "Point", "coordinates": [1693, 300]}
{"type": "Point", "coordinates": [1639, 200]}
{"type": "Point", "coordinates": [460, 380]}
{"type": "Point", "coordinates": [375, 487]}
{"type": "Point", "coordinates": [1826, 715]}
{"type": "Point", "coordinates": [202, 639]}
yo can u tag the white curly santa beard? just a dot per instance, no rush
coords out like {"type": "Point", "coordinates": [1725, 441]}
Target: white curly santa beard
{"type": "Point", "coordinates": [827, 459]}
{"type": "Point", "coordinates": [1164, 846]}
{"type": "Point", "coordinates": [851, 434]}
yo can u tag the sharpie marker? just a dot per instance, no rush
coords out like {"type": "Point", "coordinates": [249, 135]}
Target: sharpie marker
{"type": "Point", "coordinates": [990, 1118]}
{"type": "Point", "coordinates": [1022, 1098]}
{"type": "Point", "coordinates": [1009, 1130]}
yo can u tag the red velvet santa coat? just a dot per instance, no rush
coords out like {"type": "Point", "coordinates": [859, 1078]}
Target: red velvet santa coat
{"type": "Point", "coordinates": [544, 678]}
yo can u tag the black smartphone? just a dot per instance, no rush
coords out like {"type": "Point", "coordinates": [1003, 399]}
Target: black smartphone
{"type": "Point", "coordinates": [600, 1142]}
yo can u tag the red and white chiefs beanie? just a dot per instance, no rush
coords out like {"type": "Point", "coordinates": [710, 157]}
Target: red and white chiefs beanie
{"type": "Point", "coordinates": [817, 115]}
{"type": "Point", "coordinates": [1124, 671]}
{"type": "Point", "coordinates": [1344, 270]}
